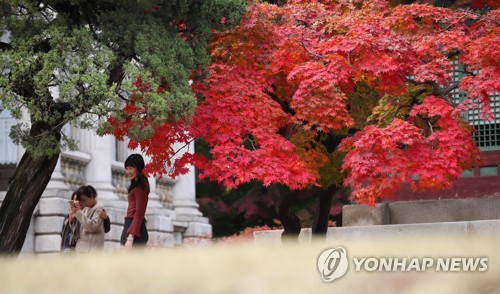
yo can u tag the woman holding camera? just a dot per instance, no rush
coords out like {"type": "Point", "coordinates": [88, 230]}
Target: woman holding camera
{"type": "Point", "coordinates": [85, 211]}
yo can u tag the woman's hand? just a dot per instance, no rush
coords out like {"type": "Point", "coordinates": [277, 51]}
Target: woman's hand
{"type": "Point", "coordinates": [130, 242]}
{"type": "Point", "coordinates": [102, 214]}
{"type": "Point", "coordinates": [73, 208]}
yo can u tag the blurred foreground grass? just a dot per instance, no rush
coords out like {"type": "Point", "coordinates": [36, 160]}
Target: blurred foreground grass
{"type": "Point", "coordinates": [248, 268]}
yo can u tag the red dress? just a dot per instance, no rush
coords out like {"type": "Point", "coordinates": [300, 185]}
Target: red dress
{"type": "Point", "coordinates": [137, 203]}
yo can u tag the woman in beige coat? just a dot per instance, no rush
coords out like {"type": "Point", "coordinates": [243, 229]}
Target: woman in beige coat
{"type": "Point", "coordinates": [86, 211]}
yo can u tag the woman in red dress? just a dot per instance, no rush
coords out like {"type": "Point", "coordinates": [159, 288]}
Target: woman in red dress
{"type": "Point", "coordinates": [134, 232]}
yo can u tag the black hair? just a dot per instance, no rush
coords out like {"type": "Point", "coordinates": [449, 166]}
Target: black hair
{"type": "Point", "coordinates": [137, 161]}
{"type": "Point", "coordinates": [87, 190]}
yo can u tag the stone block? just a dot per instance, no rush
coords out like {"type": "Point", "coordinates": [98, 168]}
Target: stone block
{"type": "Point", "coordinates": [114, 234]}
{"type": "Point", "coordinates": [60, 193]}
{"type": "Point", "coordinates": [407, 231]}
{"type": "Point", "coordinates": [53, 206]}
{"type": "Point", "coordinates": [190, 218]}
{"type": "Point", "coordinates": [160, 223]}
{"type": "Point", "coordinates": [197, 242]}
{"type": "Point", "coordinates": [268, 237]}
{"type": "Point", "coordinates": [273, 237]}
{"type": "Point", "coordinates": [451, 210]}
{"type": "Point", "coordinates": [198, 230]}
{"type": "Point", "coordinates": [484, 227]}
{"type": "Point", "coordinates": [160, 240]}
{"type": "Point", "coordinates": [47, 243]}
{"type": "Point", "coordinates": [29, 241]}
{"type": "Point", "coordinates": [396, 231]}
{"type": "Point", "coordinates": [362, 215]}
{"type": "Point", "coordinates": [49, 224]}
{"type": "Point", "coordinates": [116, 216]}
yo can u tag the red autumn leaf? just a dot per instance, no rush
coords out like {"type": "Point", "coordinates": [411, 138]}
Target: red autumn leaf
{"type": "Point", "coordinates": [300, 68]}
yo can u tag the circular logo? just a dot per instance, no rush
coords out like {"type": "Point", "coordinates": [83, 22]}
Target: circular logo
{"type": "Point", "coordinates": [333, 264]}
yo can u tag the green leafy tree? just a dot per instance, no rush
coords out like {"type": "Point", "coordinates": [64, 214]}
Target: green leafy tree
{"type": "Point", "coordinates": [76, 61]}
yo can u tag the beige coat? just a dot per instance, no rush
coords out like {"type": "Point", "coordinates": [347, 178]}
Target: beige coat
{"type": "Point", "coordinates": [91, 237]}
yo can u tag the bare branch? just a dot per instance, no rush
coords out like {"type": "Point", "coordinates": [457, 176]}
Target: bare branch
{"type": "Point", "coordinates": [314, 54]}
{"type": "Point", "coordinates": [251, 142]}
{"type": "Point", "coordinates": [184, 146]}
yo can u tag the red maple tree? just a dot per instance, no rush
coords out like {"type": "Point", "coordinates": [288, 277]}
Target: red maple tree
{"type": "Point", "coordinates": [327, 93]}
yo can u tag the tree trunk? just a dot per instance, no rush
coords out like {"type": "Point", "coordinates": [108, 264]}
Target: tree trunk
{"type": "Point", "coordinates": [323, 212]}
{"type": "Point", "coordinates": [283, 199]}
{"type": "Point", "coordinates": [25, 190]}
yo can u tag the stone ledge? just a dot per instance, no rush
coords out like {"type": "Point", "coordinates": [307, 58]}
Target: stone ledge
{"type": "Point", "coordinates": [423, 211]}
{"type": "Point", "coordinates": [450, 210]}
{"type": "Point", "coordinates": [273, 237]}
{"type": "Point", "coordinates": [362, 215]}
{"type": "Point", "coordinates": [467, 228]}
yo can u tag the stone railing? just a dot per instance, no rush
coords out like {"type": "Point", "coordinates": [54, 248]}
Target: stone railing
{"type": "Point", "coordinates": [73, 164]}
{"type": "Point", "coordinates": [164, 189]}
{"type": "Point", "coordinates": [119, 179]}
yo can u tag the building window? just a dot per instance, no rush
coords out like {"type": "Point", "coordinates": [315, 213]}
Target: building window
{"type": "Point", "coordinates": [491, 170]}
{"type": "Point", "coordinates": [487, 133]}
{"type": "Point", "coordinates": [468, 173]}
{"type": "Point", "coordinates": [487, 136]}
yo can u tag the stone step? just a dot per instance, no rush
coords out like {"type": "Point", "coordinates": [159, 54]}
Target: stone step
{"type": "Point", "coordinates": [336, 234]}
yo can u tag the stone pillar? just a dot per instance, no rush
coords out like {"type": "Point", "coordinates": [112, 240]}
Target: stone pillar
{"type": "Point", "coordinates": [56, 185]}
{"type": "Point", "coordinates": [159, 224]}
{"type": "Point", "coordinates": [184, 192]}
{"type": "Point", "coordinates": [98, 172]}
{"type": "Point", "coordinates": [186, 208]}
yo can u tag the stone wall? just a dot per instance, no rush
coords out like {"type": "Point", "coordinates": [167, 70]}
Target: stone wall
{"type": "Point", "coordinates": [425, 211]}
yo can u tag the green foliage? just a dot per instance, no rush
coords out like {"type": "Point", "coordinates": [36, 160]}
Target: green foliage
{"type": "Point", "coordinates": [331, 172]}
{"type": "Point", "coordinates": [75, 61]}
{"type": "Point", "coordinates": [361, 102]}
{"type": "Point", "coordinates": [391, 107]}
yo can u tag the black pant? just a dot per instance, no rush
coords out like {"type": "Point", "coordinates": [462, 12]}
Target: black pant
{"type": "Point", "coordinates": [138, 241]}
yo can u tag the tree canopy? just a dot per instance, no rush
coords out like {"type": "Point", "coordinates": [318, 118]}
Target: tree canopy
{"type": "Point", "coordinates": [79, 62]}
{"type": "Point", "coordinates": [63, 59]}
{"type": "Point", "coordinates": [353, 93]}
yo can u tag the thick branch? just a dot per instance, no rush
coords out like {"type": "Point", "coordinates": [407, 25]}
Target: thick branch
{"type": "Point", "coordinates": [437, 90]}
{"type": "Point", "coordinates": [285, 106]}
{"type": "Point", "coordinates": [5, 46]}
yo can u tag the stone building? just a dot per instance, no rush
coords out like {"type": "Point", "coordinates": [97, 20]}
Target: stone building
{"type": "Point", "coordinates": [172, 215]}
